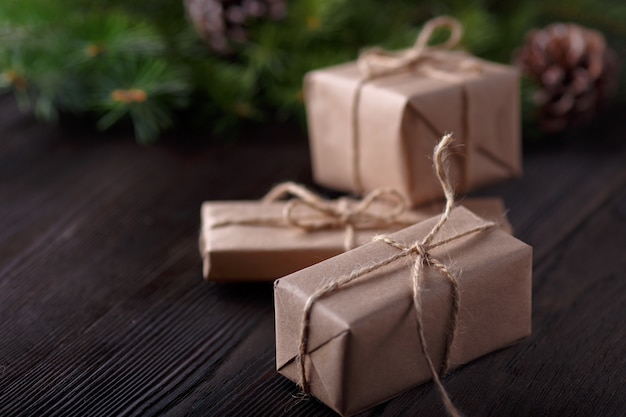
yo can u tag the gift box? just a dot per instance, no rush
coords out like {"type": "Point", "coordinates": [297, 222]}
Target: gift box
{"type": "Point", "coordinates": [376, 127]}
{"type": "Point", "coordinates": [362, 346]}
{"type": "Point", "coordinates": [252, 241]}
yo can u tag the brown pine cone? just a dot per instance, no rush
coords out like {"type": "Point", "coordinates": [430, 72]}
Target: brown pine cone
{"type": "Point", "coordinates": [220, 22]}
{"type": "Point", "coordinates": [576, 71]}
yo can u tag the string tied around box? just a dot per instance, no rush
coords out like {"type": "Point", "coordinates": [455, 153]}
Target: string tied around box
{"type": "Point", "coordinates": [428, 60]}
{"type": "Point", "coordinates": [421, 251]}
{"type": "Point", "coordinates": [309, 212]}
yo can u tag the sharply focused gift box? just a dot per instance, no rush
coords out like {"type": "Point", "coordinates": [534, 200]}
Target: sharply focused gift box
{"type": "Point", "coordinates": [251, 241]}
{"type": "Point", "coordinates": [363, 347]}
{"type": "Point", "coordinates": [367, 132]}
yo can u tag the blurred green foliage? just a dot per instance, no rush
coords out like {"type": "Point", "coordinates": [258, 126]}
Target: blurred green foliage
{"type": "Point", "coordinates": [140, 61]}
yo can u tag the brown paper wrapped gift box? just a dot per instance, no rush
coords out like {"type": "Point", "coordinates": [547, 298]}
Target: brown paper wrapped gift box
{"type": "Point", "coordinates": [400, 117]}
{"type": "Point", "coordinates": [244, 252]}
{"type": "Point", "coordinates": [363, 348]}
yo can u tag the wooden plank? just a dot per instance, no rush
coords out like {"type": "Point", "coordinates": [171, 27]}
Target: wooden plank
{"type": "Point", "coordinates": [121, 220]}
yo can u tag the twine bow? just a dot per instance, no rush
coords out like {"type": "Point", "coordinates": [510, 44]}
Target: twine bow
{"type": "Point", "coordinates": [309, 212]}
{"type": "Point", "coordinates": [423, 259]}
{"type": "Point", "coordinates": [343, 213]}
{"type": "Point", "coordinates": [375, 62]}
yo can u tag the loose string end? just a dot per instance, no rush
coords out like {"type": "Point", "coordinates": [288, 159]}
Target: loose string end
{"type": "Point", "coordinates": [445, 398]}
{"type": "Point", "coordinates": [300, 396]}
{"type": "Point", "coordinates": [440, 161]}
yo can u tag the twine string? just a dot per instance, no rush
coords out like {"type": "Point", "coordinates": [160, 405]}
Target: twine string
{"type": "Point", "coordinates": [423, 259]}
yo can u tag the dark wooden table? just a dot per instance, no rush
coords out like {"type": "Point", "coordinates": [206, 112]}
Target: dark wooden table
{"type": "Point", "coordinates": [104, 311]}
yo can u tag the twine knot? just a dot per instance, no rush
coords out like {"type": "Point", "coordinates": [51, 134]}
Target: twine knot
{"type": "Point", "coordinates": [417, 248]}
{"type": "Point", "coordinates": [420, 249]}
{"type": "Point", "coordinates": [345, 212]}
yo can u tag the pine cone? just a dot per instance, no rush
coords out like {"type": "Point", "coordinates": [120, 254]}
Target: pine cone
{"type": "Point", "coordinates": [576, 71]}
{"type": "Point", "coordinates": [220, 22]}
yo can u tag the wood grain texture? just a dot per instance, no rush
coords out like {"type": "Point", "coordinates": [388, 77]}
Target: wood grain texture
{"type": "Point", "coordinates": [103, 310]}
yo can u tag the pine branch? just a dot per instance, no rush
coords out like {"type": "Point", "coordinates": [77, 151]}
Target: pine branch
{"type": "Point", "coordinates": [146, 91]}
{"type": "Point", "coordinates": [142, 62]}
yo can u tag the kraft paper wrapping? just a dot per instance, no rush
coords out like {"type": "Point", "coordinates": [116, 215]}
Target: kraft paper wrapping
{"type": "Point", "coordinates": [238, 253]}
{"type": "Point", "coordinates": [363, 344]}
{"type": "Point", "coordinates": [400, 117]}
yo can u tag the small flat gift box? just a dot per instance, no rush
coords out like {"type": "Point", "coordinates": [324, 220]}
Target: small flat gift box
{"type": "Point", "coordinates": [251, 241]}
{"type": "Point", "coordinates": [362, 344]}
{"type": "Point", "coordinates": [374, 122]}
